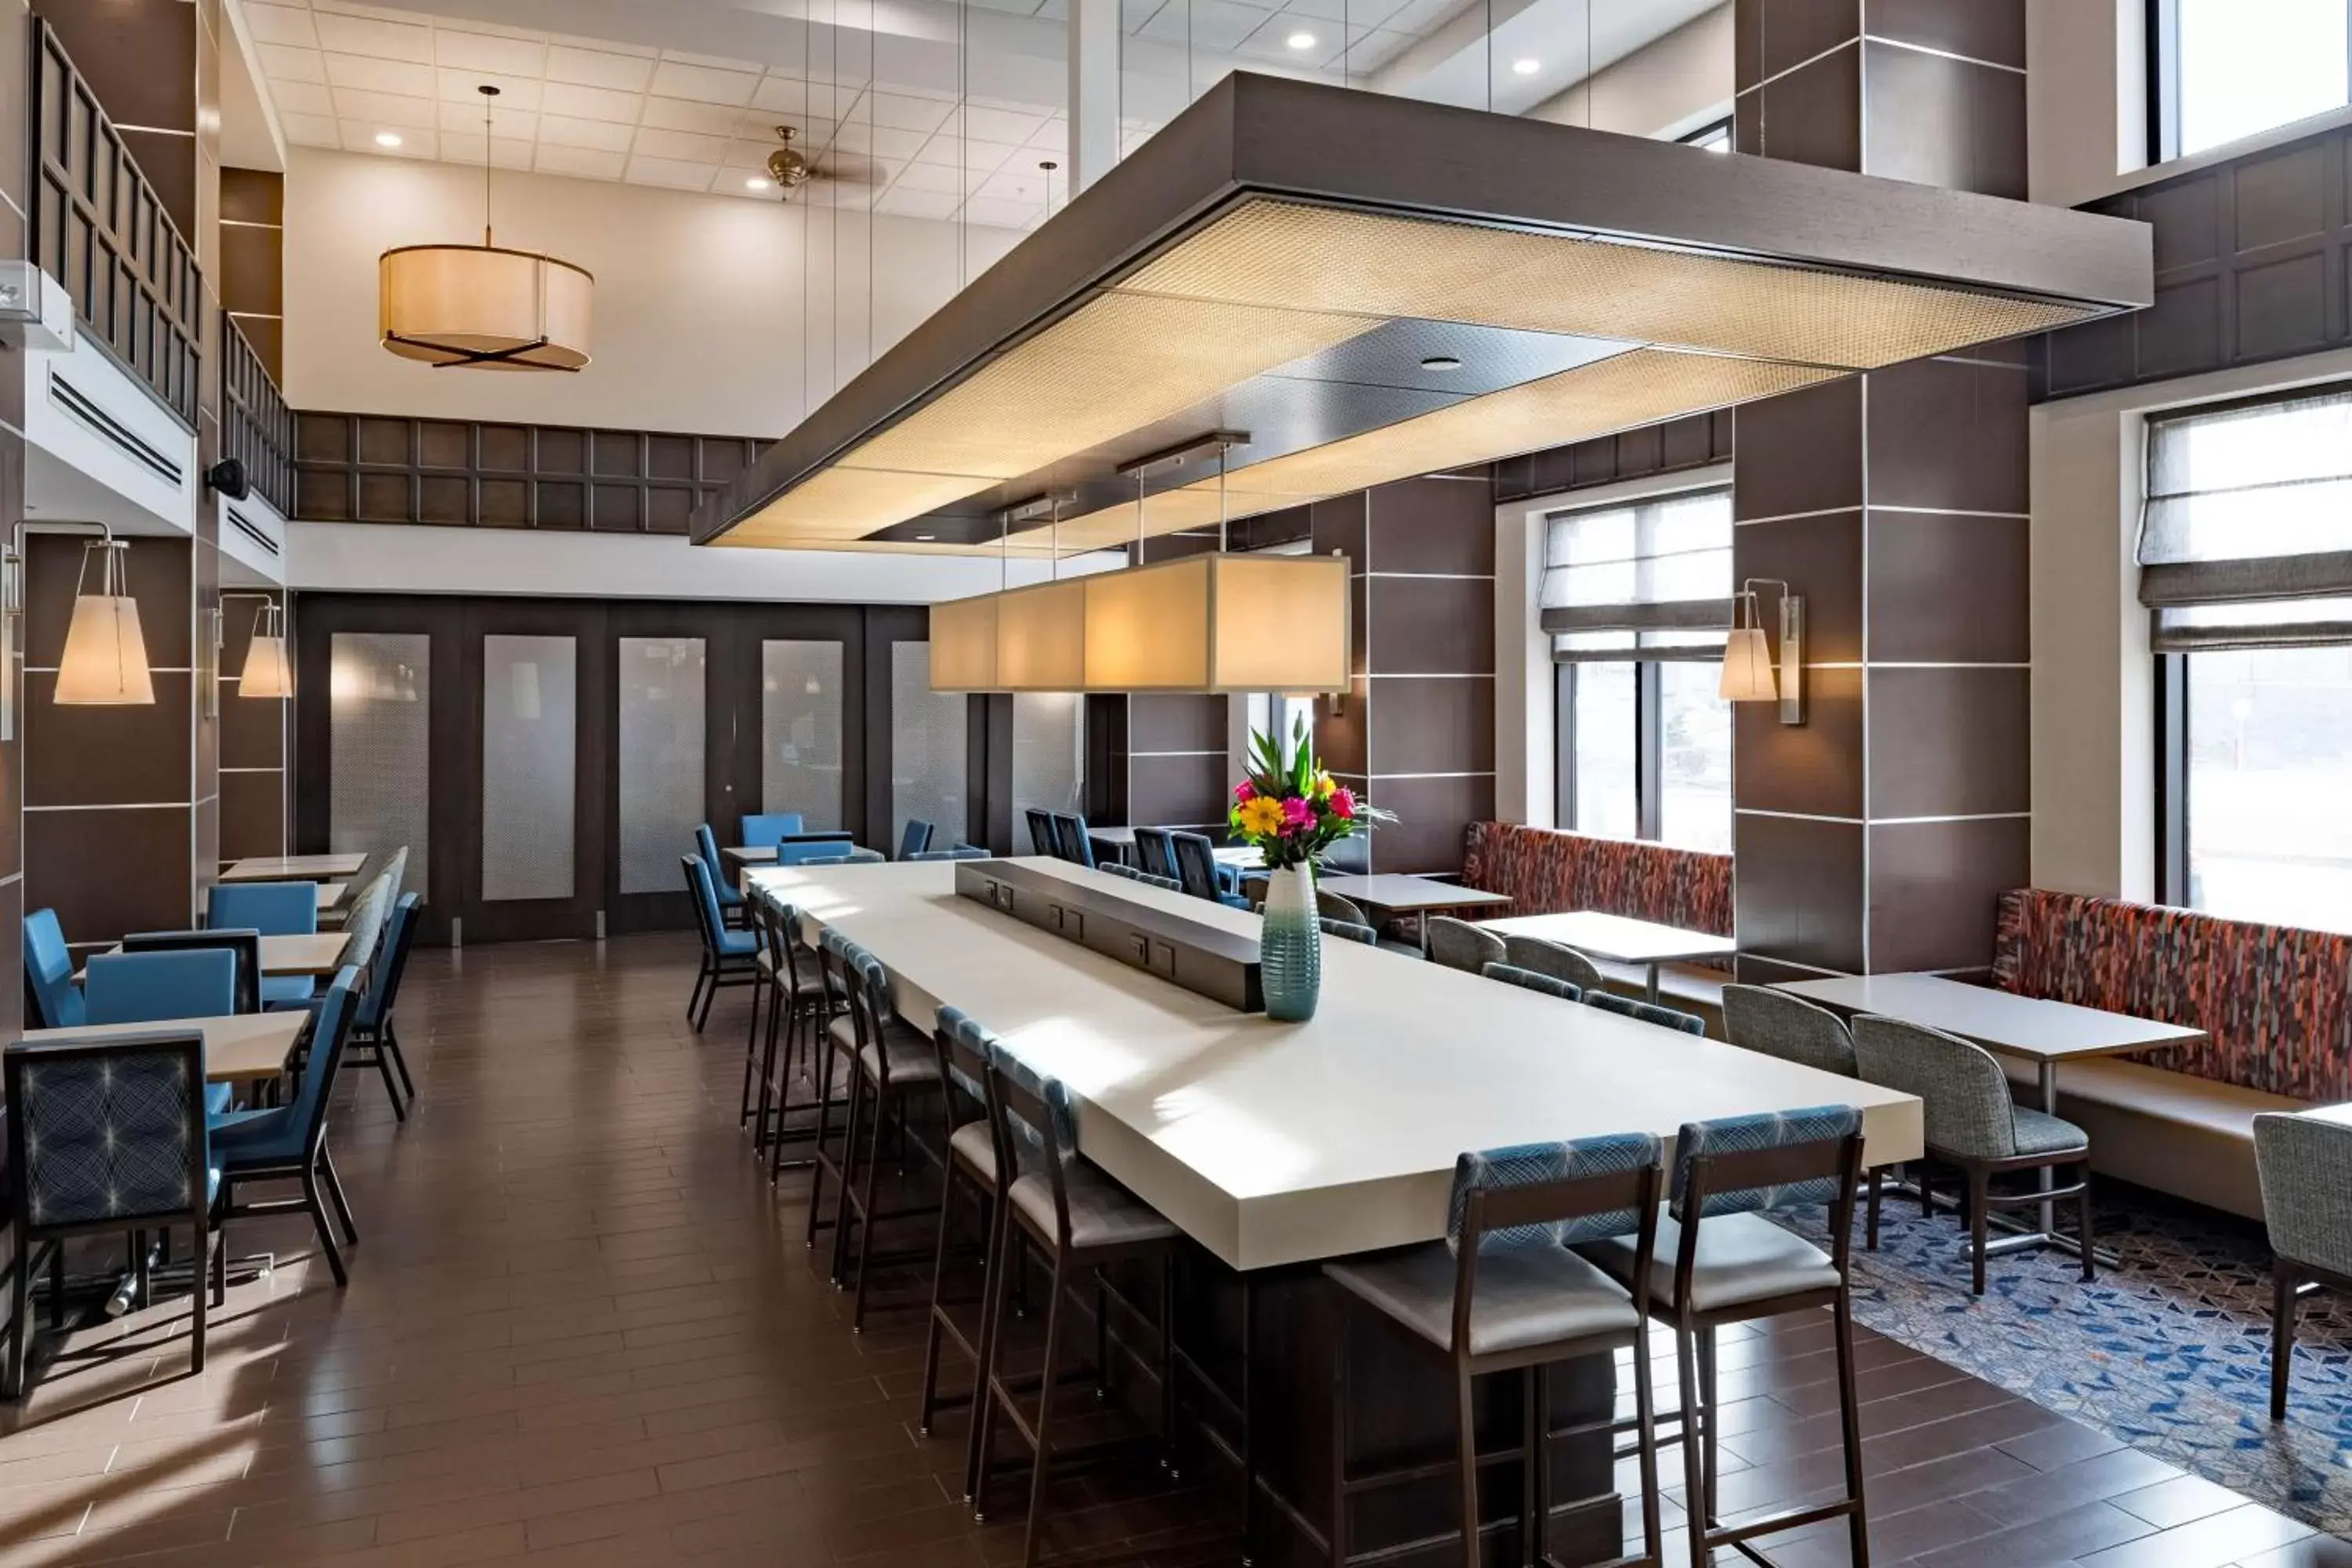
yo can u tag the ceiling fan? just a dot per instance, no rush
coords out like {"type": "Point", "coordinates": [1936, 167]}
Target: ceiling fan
{"type": "Point", "coordinates": [789, 168]}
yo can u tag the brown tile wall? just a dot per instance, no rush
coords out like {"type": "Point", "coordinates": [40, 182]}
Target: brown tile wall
{"type": "Point", "coordinates": [253, 262]}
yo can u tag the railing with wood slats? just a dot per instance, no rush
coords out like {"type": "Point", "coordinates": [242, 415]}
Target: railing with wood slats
{"type": "Point", "coordinates": [256, 427]}
{"type": "Point", "coordinates": [99, 229]}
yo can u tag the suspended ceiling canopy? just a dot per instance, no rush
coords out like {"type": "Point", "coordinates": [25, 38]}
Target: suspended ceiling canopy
{"type": "Point", "coordinates": [1299, 263]}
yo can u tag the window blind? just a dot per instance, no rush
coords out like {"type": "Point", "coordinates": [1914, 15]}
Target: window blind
{"type": "Point", "coordinates": [2246, 532]}
{"type": "Point", "coordinates": [1649, 580]}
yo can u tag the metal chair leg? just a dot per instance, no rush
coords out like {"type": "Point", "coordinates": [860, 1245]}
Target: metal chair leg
{"type": "Point", "coordinates": [1043, 1471]}
{"type": "Point", "coordinates": [335, 1191]}
{"type": "Point", "coordinates": [1857, 1522]}
{"type": "Point", "coordinates": [2282, 1316]}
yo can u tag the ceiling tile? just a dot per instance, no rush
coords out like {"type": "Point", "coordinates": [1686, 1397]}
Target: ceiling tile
{"type": "Point", "coordinates": [589, 102]}
{"type": "Point", "coordinates": [1206, 23]}
{"type": "Point", "coordinates": [384, 41]}
{"type": "Point", "coordinates": [901, 202]}
{"type": "Point", "coordinates": [681, 146]}
{"type": "Point", "coordinates": [302, 98]}
{"type": "Point", "coordinates": [281, 25]}
{"type": "Point", "coordinates": [359, 136]}
{"type": "Point", "coordinates": [936, 178]}
{"type": "Point", "coordinates": [465, 147]}
{"type": "Point", "coordinates": [581, 162]}
{"type": "Point", "coordinates": [372, 74]}
{"type": "Point", "coordinates": [1355, 13]}
{"type": "Point", "coordinates": [279, 63]}
{"type": "Point", "coordinates": [454, 50]}
{"type": "Point", "coordinates": [465, 87]}
{"type": "Point", "coordinates": [997, 125]}
{"type": "Point", "coordinates": [598, 67]}
{"type": "Point", "coordinates": [1026, 186]}
{"type": "Point", "coordinates": [714, 62]}
{"type": "Point", "coordinates": [1017, 7]}
{"type": "Point", "coordinates": [604, 45]}
{"type": "Point", "coordinates": [595, 135]}
{"type": "Point", "coordinates": [670, 172]}
{"type": "Point", "coordinates": [705, 118]}
{"type": "Point", "coordinates": [1002, 214]}
{"type": "Point", "coordinates": [855, 137]}
{"type": "Point", "coordinates": [382, 109]}
{"type": "Point", "coordinates": [504, 121]}
{"type": "Point", "coordinates": [674, 79]}
{"type": "Point", "coordinates": [899, 113]}
{"type": "Point", "coordinates": [311, 129]}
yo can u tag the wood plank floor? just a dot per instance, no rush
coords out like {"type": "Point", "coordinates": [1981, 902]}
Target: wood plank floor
{"type": "Point", "coordinates": [582, 1329]}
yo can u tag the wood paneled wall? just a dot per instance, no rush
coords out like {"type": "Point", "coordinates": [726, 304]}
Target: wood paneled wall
{"type": "Point", "coordinates": [15, 234]}
{"type": "Point", "coordinates": [253, 262]}
{"type": "Point", "coordinates": [255, 805]}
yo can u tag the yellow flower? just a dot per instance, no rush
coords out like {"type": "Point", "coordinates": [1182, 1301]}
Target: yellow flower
{"type": "Point", "coordinates": [1260, 815]}
{"type": "Point", "coordinates": [1324, 786]}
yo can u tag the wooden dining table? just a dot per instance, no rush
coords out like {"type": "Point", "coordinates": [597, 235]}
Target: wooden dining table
{"type": "Point", "coordinates": [294, 869]}
{"type": "Point", "coordinates": [241, 1047]}
{"type": "Point", "coordinates": [318, 956]}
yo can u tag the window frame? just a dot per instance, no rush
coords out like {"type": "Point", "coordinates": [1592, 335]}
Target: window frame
{"type": "Point", "coordinates": [1720, 126]}
{"type": "Point", "coordinates": [2164, 105]}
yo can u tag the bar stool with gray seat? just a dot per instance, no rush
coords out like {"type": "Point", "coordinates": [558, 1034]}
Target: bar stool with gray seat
{"type": "Point", "coordinates": [1503, 1293]}
{"type": "Point", "coordinates": [889, 1060]}
{"type": "Point", "coordinates": [2306, 1165]}
{"type": "Point", "coordinates": [1759, 1018]}
{"type": "Point", "coordinates": [972, 1166]}
{"type": "Point", "coordinates": [1720, 1262]}
{"type": "Point", "coordinates": [1458, 944]}
{"type": "Point", "coordinates": [1555, 959]}
{"type": "Point", "coordinates": [1972, 1124]}
{"type": "Point", "coordinates": [1082, 1222]}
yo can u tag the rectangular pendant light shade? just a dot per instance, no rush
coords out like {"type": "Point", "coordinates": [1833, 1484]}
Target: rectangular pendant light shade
{"type": "Point", "coordinates": [1209, 624]}
{"type": "Point", "coordinates": [105, 660]}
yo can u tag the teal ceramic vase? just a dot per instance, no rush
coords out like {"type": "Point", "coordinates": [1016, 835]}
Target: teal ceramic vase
{"type": "Point", "coordinates": [1290, 946]}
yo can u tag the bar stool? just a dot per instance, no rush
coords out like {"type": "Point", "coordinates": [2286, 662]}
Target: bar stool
{"type": "Point", "coordinates": [800, 1006]}
{"type": "Point", "coordinates": [1081, 1220]}
{"type": "Point", "coordinates": [972, 1166]}
{"type": "Point", "coordinates": [1720, 1262]}
{"type": "Point", "coordinates": [889, 1060]}
{"type": "Point", "coordinates": [1512, 1218]}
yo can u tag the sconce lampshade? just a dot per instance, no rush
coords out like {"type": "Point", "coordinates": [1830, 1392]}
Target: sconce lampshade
{"type": "Point", "coordinates": [267, 673]}
{"type": "Point", "coordinates": [1747, 668]}
{"type": "Point", "coordinates": [105, 660]}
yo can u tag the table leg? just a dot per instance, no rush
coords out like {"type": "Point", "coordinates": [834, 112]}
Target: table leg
{"type": "Point", "coordinates": [1653, 986]}
{"type": "Point", "coordinates": [2042, 1178]}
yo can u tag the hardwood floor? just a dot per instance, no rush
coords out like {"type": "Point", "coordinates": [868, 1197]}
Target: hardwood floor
{"type": "Point", "coordinates": [582, 1329]}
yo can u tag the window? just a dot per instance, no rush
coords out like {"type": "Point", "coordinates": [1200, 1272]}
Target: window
{"type": "Point", "coordinates": [2246, 565]}
{"type": "Point", "coordinates": [1637, 596]}
{"type": "Point", "coordinates": [1713, 138]}
{"type": "Point", "coordinates": [2230, 70]}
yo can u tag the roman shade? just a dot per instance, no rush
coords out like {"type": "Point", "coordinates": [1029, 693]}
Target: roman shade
{"type": "Point", "coordinates": [1650, 578]}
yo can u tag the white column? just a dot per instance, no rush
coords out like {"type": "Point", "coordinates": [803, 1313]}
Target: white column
{"type": "Point", "coordinates": [1094, 90]}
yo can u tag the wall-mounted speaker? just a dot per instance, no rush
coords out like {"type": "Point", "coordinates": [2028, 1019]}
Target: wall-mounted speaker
{"type": "Point", "coordinates": [227, 477]}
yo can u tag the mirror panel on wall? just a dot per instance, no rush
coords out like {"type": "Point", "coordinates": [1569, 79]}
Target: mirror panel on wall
{"type": "Point", "coordinates": [660, 757]}
{"type": "Point", "coordinates": [801, 693]}
{"type": "Point", "coordinates": [530, 746]}
{"type": "Point", "coordinates": [1048, 756]}
{"type": "Point", "coordinates": [928, 756]}
{"type": "Point", "coordinates": [380, 746]}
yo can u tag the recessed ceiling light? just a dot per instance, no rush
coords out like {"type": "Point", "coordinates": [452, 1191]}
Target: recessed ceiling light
{"type": "Point", "coordinates": [1300, 41]}
{"type": "Point", "coordinates": [925, 538]}
{"type": "Point", "coordinates": [755, 184]}
{"type": "Point", "coordinates": [1527, 67]}
{"type": "Point", "coordinates": [387, 138]}
{"type": "Point", "coordinates": [1441, 361]}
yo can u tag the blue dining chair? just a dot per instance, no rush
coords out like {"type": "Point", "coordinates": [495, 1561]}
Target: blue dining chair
{"type": "Point", "coordinates": [1197, 869]}
{"type": "Point", "coordinates": [273, 909]}
{"type": "Point", "coordinates": [730, 898]}
{"type": "Point", "coordinates": [243, 946]}
{"type": "Point", "coordinates": [1041, 830]}
{"type": "Point", "coordinates": [54, 1001]}
{"type": "Point", "coordinates": [1154, 854]}
{"type": "Point", "coordinates": [800, 851]}
{"type": "Point", "coordinates": [960, 852]}
{"type": "Point", "coordinates": [728, 957]}
{"type": "Point", "coordinates": [914, 838]}
{"type": "Point", "coordinates": [1072, 842]}
{"type": "Point", "coordinates": [151, 988]}
{"type": "Point", "coordinates": [288, 1142]}
{"type": "Point", "coordinates": [768, 827]}
{"type": "Point", "coordinates": [372, 1027]}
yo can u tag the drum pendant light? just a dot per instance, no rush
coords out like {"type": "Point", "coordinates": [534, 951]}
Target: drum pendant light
{"type": "Point", "coordinates": [484, 307]}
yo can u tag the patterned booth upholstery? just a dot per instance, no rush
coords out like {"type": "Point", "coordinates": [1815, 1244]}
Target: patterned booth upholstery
{"type": "Point", "coordinates": [2275, 1003]}
{"type": "Point", "coordinates": [1545, 871]}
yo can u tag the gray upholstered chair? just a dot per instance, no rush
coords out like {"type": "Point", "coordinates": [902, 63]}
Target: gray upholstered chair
{"type": "Point", "coordinates": [1561, 963]}
{"type": "Point", "coordinates": [1532, 980]}
{"type": "Point", "coordinates": [2306, 1163]}
{"type": "Point", "coordinates": [1759, 1018]}
{"type": "Point", "coordinates": [1333, 907]}
{"type": "Point", "coordinates": [1971, 1123]}
{"type": "Point", "coordinates": [1646, 1012]}
{"type": "Point", "coordinates": [1349, 930]}
{"type": "Point", "coordinates": [1458, 944]}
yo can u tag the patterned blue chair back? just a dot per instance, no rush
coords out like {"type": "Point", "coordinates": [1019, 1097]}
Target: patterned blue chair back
{"type": "Point", "coordinates": [48, 974]}
{"type": "Point", "coordinates": [852, 857]}
{"type": "Point", "coordinates": [1165, 884]}
{"type": "Point", "coordinates": [329, 1033]}
{"type": "Point", "coordinates": [1154, 854]}
{"type": "Point", "coordinates": [960, 852]}
{"type": "Point", "coordinates": [1536, 1164]}
{"type": "Point", "coordinates": [145, 987]}
{"type": "Point", "coordinates": [1196, 864]}
{"type": "Point", "coordinates": [1035, 1108]}
{"type": "Point", "coordinates": [1645, 1011]}
{"type": "Point", "coordinates": [1527, 979]}
{"type": "Point", "coordinates": [1825, 1126]}
{"type": "Point", "coordinates": [914, 838]}
{"type": "Point", "coordinates": [1349, 930]}
{"type": "Point", "coordinates": [105, 1133]}
{"type": "Point", "coordinates": [1072, 842]}
{"type": "Point", "coordinates": [273, 909]}
{"type": "Point", "coordinates": [1041, 830]}
{"type": "Point", "coordinates": [769, 826]}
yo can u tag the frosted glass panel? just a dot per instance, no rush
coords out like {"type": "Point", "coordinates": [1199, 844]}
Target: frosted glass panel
{"type": "Point", "coordinates": [527, 746]}
{"type": "Point", "coordinates": [800, 733]}
{"type": "Point", "coordinates": [660, 740]}
{"type": "Point", "coordinates": [1046, 730]}
{"type": "Point", "coordinates": [927, 749]}
{"type": "Point", "coordinates": [379, 746]}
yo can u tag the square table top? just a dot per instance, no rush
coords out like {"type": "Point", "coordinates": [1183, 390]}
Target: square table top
{"type": "Point", "coordinates": [1618, 938]}
{"type": "Point", "coordinates": [330, 894]}
{"type": "Point", "coordinates": [294, 867]}
{"type": "Point", "coordinates": [2028, 1027]}
{"type": "Point", "coordinates": [316, 955]}
{"type": "Point", "coordinates": [1408, 895]}
{"type": "Point", "coordinates": [238, 1049]}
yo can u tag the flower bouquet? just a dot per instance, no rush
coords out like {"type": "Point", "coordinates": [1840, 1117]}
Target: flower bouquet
{"type": "Point", "coordinates": [1289, 809]}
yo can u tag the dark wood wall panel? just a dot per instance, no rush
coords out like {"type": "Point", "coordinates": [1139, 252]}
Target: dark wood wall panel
{"type": "Point", "coordinates": [1696, 441]}
{"type": "Point", "coordinates": [362, 468]}
{"type": "Point", "coordinates": [146, 852]}
{"type": "Point", "coordinates": [256, 427]}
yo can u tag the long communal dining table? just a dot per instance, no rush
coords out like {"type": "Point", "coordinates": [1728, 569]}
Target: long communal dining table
{"type": "Point", "coordinates": [1277, 1146]}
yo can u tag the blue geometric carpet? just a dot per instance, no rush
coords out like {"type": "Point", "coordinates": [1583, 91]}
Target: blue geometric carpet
{"type": "Point", "coordinates": [2170, 1352]}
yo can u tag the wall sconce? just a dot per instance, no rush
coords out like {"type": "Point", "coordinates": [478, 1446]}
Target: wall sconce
{"type": "Point", "coordinates": [268, 672]}
{"type": "Point", "coordinates": [1748, 672]}
{"type": "Point", "coordinates": [104, 663]}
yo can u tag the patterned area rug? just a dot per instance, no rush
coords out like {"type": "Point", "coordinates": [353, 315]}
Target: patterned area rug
{"type": "Point", "coordinates": [2170, 1352]}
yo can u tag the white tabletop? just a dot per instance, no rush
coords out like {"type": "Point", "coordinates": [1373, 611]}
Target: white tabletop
{"type": "Point", "coordinates": [294, 867]}
{"type": "Point", "coordinates": [1274, 1143]}
{"type": "Point", "coordinates": [2000, 1021]}
{"type": "Point", "coordinates": [237, 1047]}
{"type": "Point", "coordinates": [1405, 895]}
{"type": "Point", "coordinates": [1616, 937]}
{"type": "Point", "coordinates": [330, 894]}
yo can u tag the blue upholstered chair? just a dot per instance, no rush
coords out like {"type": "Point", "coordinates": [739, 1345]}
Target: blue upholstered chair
{"type": "Point", "coordinates": [105, 1136]}
{"type": "Point", "coordinates": [731, 898]}
{"type": "Point", "coordinates": [288, 1142]}
{"type": "Point", "coordinates": [799, 849]}
{"type": "Point", "coordinates": [1502, 1292]}
{"type": "Point", "coordinates": [842, 854]}
{"type": "Point", "coordinates": [372, 1030]}
{"type": "Point", "coordinates": [1531, 980]}
{"type": "Point", "coordinates": [52, 999]}
{"type": "Point", "coordinates": [1645, 1011]}
{"type": "Point", "coordinates": [1121, 869]}
{"type": "Point", "coordinates": [273, 909]}
{"type": "Point", "coordinates": [243, 946]}
{"type": "Point", "coordinates": [1154, 855]}
{"type": "Point", "coordinates": [1719, 1261]}
{"type": "Point", "coordinates": [768, 827]}
{"type": "Point", "coordinates": [960, 852]}
{"type": "Point", "coordinates": [1072, 842]}
{"type": "Point", "coordinates": [1041, 830]}
{"type": "Point", "coordinates": [730, 957]}
{"type": "Point", "coordinates": [914, 838]}
{"type": "Point", "coordinates": [1198, 871]}
{"type": "Point", "coordinates": [156, 987]}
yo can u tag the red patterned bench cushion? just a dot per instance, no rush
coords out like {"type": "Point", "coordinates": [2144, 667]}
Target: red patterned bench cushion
{"type": "Point", "coordinates": [1545, 871]}
{"type": "Point", "coordinates": [2272, 999]}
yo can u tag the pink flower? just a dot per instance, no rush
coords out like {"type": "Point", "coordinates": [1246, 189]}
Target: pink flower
{"type": "Point", "coordinates": [1245, 791]}
{"type": "Point", "coordinates": [1297, 816]}
{"type": "Point", "coordinates": [1343, 803]}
